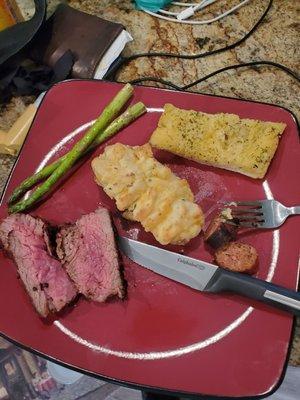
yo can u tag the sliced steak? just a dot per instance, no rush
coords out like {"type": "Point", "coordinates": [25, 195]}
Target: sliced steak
{"type": "Point", "coordinates": [48, 285]}
{"type": "Point", "coordinates": [88, 252]}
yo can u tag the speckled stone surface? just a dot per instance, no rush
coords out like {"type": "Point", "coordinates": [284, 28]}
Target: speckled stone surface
{"type": "Point", "coordinates": [277, 39]}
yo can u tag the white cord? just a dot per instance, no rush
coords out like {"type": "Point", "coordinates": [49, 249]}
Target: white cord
{"type": "Point", "coordinates": [203, 4]}
{"type": "Point", "coordinates": [180, 4]}
{"type": "Point", "coordinates": [190, 11]}
{"type": "Point", "coordinates": [195, 22]}
{"type": "Point", "coordinates": [168, 12]}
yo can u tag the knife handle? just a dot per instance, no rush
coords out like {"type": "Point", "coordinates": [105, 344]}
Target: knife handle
{"type": "Point", "coordinates": [257, 289]}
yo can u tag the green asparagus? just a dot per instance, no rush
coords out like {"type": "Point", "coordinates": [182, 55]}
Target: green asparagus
{"type": "Point", "coordinates": [119, 123]}
{"type": "Point", "coordinates": [108, 114]}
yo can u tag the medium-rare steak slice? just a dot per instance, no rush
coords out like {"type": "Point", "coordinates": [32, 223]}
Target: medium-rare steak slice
{"type": "Point", "coordinates": [48, 285]}
{"type": "Point", "coordinates": [88, 252]}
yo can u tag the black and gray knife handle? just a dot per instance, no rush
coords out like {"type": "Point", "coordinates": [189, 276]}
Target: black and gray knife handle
{"type": "Point", "coordinates": [257, 289]}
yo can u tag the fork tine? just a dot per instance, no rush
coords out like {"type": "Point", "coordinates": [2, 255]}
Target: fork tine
{"type": "Point", "coordinates": [241, 211]}
{"type": "Point", "coordinates": [255, 218]}
{"type": "Point", "coordinates": [232, 222]}
{"type": "Point", "coordinates": [249, 203]}
{"type": "Point", "coordinates": [244, 224]}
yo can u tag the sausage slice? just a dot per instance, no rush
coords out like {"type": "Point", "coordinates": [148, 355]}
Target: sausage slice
{"type": "Point", "coordinates": [218, 233]}
{"type": "Point", "coordinates": [237, 257]}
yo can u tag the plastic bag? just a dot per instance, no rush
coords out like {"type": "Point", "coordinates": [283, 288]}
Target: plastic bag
{"type": "Point", "coordinates": [152, 5]}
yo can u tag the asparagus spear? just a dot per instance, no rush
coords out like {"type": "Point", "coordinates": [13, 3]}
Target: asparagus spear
{"type": "Point", "coordinates": [108, 114]}
{"type": "Point", "coordinates": [119, 123]}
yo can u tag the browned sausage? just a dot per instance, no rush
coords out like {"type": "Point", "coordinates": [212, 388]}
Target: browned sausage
{"type": "Point", "coordinates": [238, 257]}
{"type": "Point", "coordinates": [218, 233]}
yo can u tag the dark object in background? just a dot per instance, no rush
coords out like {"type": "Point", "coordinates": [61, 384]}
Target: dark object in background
{"type": "Point", "coordinates": [22, 78]}
{"type": "Point", "coordinates": [157, 396]}
{"type": "Point", "coordinates": [41, 77]}
{"type": "Point", "coordinates": [16, 37]}
{"type": "Point", "coordinates": [88, 38]}
{"type": "Point", "coordinates": [28, 78]}
{"type": "Point", "coordinates": [70, 44]}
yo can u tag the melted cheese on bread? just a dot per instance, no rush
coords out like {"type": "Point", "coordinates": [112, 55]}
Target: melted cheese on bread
{"type": "Point", "coordinates": [148, 192]}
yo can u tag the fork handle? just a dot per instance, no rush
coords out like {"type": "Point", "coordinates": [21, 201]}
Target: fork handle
{"type": "Point", "coordinates": [255, 288]}
{"type": "Point", "coordinates": [294, 210]}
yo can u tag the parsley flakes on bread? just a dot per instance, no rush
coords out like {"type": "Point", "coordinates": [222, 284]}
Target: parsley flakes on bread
{"type": "Point", "coordinates": [221, 140]}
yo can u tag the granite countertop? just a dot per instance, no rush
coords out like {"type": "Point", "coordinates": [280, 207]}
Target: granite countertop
{"type": "Point", "coordinates": [275, 40]}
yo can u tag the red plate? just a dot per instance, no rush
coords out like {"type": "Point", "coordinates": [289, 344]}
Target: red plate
{"type": "Point", "coordinates": [164, 335]}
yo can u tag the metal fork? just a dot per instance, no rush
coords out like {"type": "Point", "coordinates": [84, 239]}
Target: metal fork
{"type": "Point", "coordinates": [260, 213]}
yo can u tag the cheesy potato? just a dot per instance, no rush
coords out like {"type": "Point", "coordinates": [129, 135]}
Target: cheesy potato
{"type": "Point", "coordinates": [222, 140]}
{"type": "Point", "coordinates": [148, 192]}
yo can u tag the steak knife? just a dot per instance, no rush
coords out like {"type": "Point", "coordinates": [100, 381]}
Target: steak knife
{"type": "Point", "coordinates": [203, 276]}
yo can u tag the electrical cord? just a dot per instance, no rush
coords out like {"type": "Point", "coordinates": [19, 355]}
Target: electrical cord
{"type": "Point", "coordinates": [204, 78]}
{"type": "Point", "coordinates": [182, 4]}
{"type": "Point", "coordinates": [122, 61]}
{"type": "Point", "coordinates": [181, 17]}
